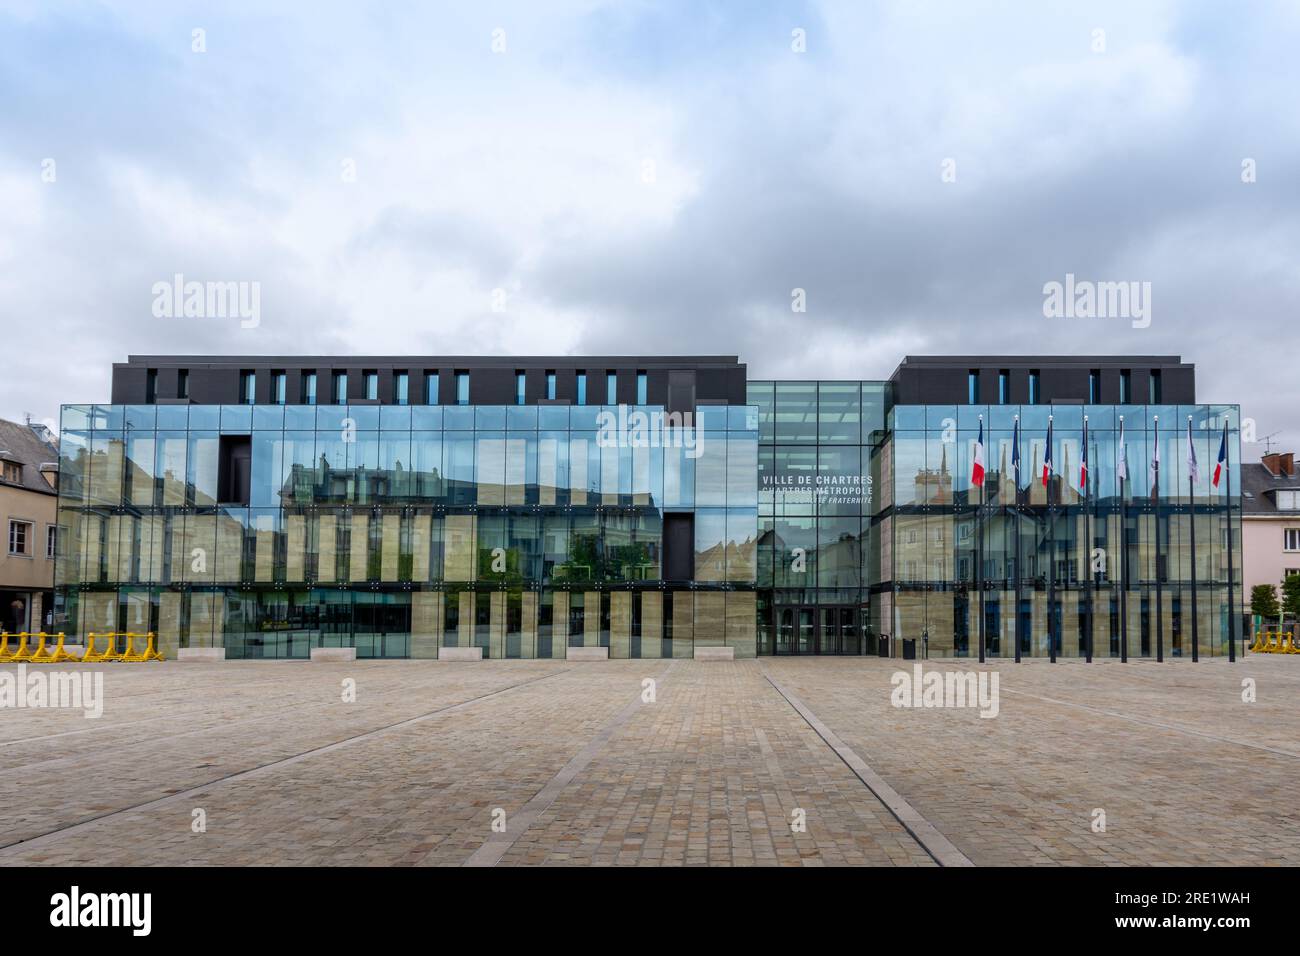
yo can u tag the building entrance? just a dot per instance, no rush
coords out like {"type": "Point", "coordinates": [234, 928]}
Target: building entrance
{"type": "Point", "coordinates": [810, 629]}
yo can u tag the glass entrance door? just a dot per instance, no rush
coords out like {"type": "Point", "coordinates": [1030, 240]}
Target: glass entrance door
{"type": "Point", "coordinates": [807, 640]}
{"type": "Point", "coordinates": [784, 630]}
{"type": "Point", "coordinates": [828, 634]}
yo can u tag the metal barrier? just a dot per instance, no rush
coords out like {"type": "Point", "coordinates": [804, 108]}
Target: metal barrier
{"type": "Point", "coordinates": [1275, 641]}
{"type": "Point", "coordinates": [43, 653]}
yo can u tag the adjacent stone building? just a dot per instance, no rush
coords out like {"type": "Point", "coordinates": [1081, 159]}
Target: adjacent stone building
{"type": "Point", "coordinates": [28, 495]}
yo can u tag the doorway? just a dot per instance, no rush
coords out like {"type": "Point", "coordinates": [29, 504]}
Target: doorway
{"type": "Point", "coordinates": [824, 630]}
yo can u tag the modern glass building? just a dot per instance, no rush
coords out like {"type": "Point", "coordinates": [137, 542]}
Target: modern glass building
{"type": "Point", "coordinates": [487, 504]}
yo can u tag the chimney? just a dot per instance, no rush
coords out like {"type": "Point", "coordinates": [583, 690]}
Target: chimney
{"type": "Point", "coordinates": [1288, 464]}
{"type": "Point", "coordinates": [1273, 462]}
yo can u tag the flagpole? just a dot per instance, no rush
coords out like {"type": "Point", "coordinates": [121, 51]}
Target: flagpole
{"type": "Point", "coordinates": [979, 531]}
{"type": "Point", "coordinates": [1191, 511]}
{"type": "Point", "coordinates": [1015, 517]}
{"type": "Point", "coordinates": [1232, 592]}
{"type": "Point", "coordinates": [1051, 552]}
{"type": "Point", "coordinates": [1087, 542]}
{"type": "Point", "coordinates": [1160, 593]}
{"type": "Point", "coordinates": [1123, 551]}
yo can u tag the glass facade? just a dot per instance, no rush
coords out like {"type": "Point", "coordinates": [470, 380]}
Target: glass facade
{"type": "Point", "coordinates": [1056, 563]}
{"type": "Point", "coordinates": [869, 528]}
{"type": "Point", "coordinates": [819, 515]}
{"type": "Point", "coordinates": [398, 529]}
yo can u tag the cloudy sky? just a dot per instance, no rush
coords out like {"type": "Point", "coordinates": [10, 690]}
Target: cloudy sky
{"type": "Point", "coordinates": [651, 177]}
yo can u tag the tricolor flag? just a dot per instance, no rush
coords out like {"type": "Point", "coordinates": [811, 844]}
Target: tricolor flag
{"type": "Point", "coordinates": [1015, 452]}
{"type": "Point", "coordinates": [1083, 462]}
{"type": "Point", "coordinates": [1193, 467]}
{"type": "Point", "coordinates": [1223, 455]}
{"type": "Point", "coordinates": [1047, 458]}
{"type": "Point", "coordinates": [1121, 460]}
{"type": "Point", "coordinates": [977, 462]}
{"type": "Point", "coordinates": [1154, 470]}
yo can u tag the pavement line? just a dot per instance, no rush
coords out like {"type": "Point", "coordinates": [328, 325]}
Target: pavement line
{"type": "Point", "coordinates": [71, 828]}
{"type": "Point", "coordinates": [941, 849]}
{"type": "Point", "coordinates": [1157, 723]}
{"type": "Point", "coordinates": [498, 844]}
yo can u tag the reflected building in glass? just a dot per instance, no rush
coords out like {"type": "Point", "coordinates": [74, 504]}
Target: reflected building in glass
{"type": "Point", "coordinates": [430, 503]}
{"type": "Point", "coordinates": [873, 538]}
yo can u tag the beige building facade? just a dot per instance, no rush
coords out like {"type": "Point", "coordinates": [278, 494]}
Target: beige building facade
{"type": "Point", "coordinates": [28, 496]}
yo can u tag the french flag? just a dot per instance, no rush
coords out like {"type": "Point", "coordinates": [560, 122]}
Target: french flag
{"type": "Point", "coordinates": [977, 462]}
{"type": "Point", "coordinates": [1047, 458]}
{"type": "Point", "coordinates": [1223, 456]}
{"type": "Point", "coordinates": [1083, 462]}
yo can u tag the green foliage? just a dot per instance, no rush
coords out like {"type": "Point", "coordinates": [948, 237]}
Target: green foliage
{"type": "Point", "coordinates": [1263, 600]}
{"type": "Point", "coordinates": [1291, 595]}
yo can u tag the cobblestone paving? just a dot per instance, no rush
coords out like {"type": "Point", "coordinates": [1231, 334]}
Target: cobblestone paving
{"type": "Point", "coordinates": [712, 772]}
{"type": "Point", "coordinates": [1160, 748]}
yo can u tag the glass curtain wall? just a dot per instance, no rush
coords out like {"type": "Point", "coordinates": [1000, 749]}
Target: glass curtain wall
{"type": "Point", "coordinates": [819, 516]}
{"type": "Point", "coordinates": [401, 529]}
{"type": "Point", "coordinates": [1071, 562]}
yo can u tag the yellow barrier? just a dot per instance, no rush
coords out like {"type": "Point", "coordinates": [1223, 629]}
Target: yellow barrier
{"type": "Point", "coordinates": [107, 654]}
{"type": "Point", "coordinates": [55, 655]}
{"type": "Point", "coordinates": [1275, 642]}
{"type": "Point", "coordinates": [25, 651]}
{"type": "Point", "coordinates": [148, 654]}
{"type": "Point", "coordinates": [4, 645]}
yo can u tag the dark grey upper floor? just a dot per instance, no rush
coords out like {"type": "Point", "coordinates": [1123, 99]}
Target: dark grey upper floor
{"type": "Point", "coordinates": [676, 382]}
{"type": "Point", "coordinates": [1044, 380]}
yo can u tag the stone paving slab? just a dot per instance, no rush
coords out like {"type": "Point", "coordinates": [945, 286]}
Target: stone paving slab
{"type": "Point", "coordinates": [1021, 789]}
{"type": "Point", "coordinates": [412, 771]}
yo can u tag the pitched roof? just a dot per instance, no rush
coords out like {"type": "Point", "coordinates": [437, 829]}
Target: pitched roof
{"type": "Point", "coordinates": [1256, 483]}
{"type": "Point", "coordinates": [19, 443]}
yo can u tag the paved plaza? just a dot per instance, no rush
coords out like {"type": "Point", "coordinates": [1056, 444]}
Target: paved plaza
{"type": "Point", "coordinates": [782, 761]}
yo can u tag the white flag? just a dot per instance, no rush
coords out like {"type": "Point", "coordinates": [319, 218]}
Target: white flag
{"type": "Point", "coordinates": [1193, 469]}
{"type": "Point", "coordinates": [1121, 470]}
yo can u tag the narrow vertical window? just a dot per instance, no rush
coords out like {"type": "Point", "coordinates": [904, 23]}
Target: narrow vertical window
{"type": "Point", "coordinates": [309, 388]}
{"type": "Point", "coordinates": [582, 388]}
{"type": "Point", "coordinates": [431, 388]}
{"type": "Point", "coordinates": [371, 378]}
{"type": "Point", "coordinates": [641, 389]}
{"type": "Point", "coordinates": [151, 386]}
{"type": "Point", "coordinates": [401, 388]}
{"type": "Point", "coordinates": [247, 387]}
{"type": "Point", "coordinates": [1094, 386]}
{"type": "Point", "coordinates": [611, 388]}
{"type": "Point", "coordinates": [1125, 387]}
{"type": "Point", "coordinates": [183, 383]}
{"type": "Point", "coordinates": [550, 384]}
{"type": "Point", "coordinates": [278, 379]}
{"type": "Point", "coordinates": [340, 388]}
{"type": "Point", "coordinates": [1004, 386]}
{"type": "Point", "coordinates": [520, 381]}
{"type": "Point", "coordinates": [1034, 397]}
{"type": "Point", "coordinates": [973, 387]}
{"type": "Point", "coordinates": [462, 388]}
{"type": "Point", "coordinates": [1155, 391]}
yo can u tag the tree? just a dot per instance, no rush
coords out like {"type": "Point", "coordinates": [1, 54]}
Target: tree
{"type": "Point", "coordinates": [1263, 601]}
{"type": "Point", "coordinates": [1291, 596]}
